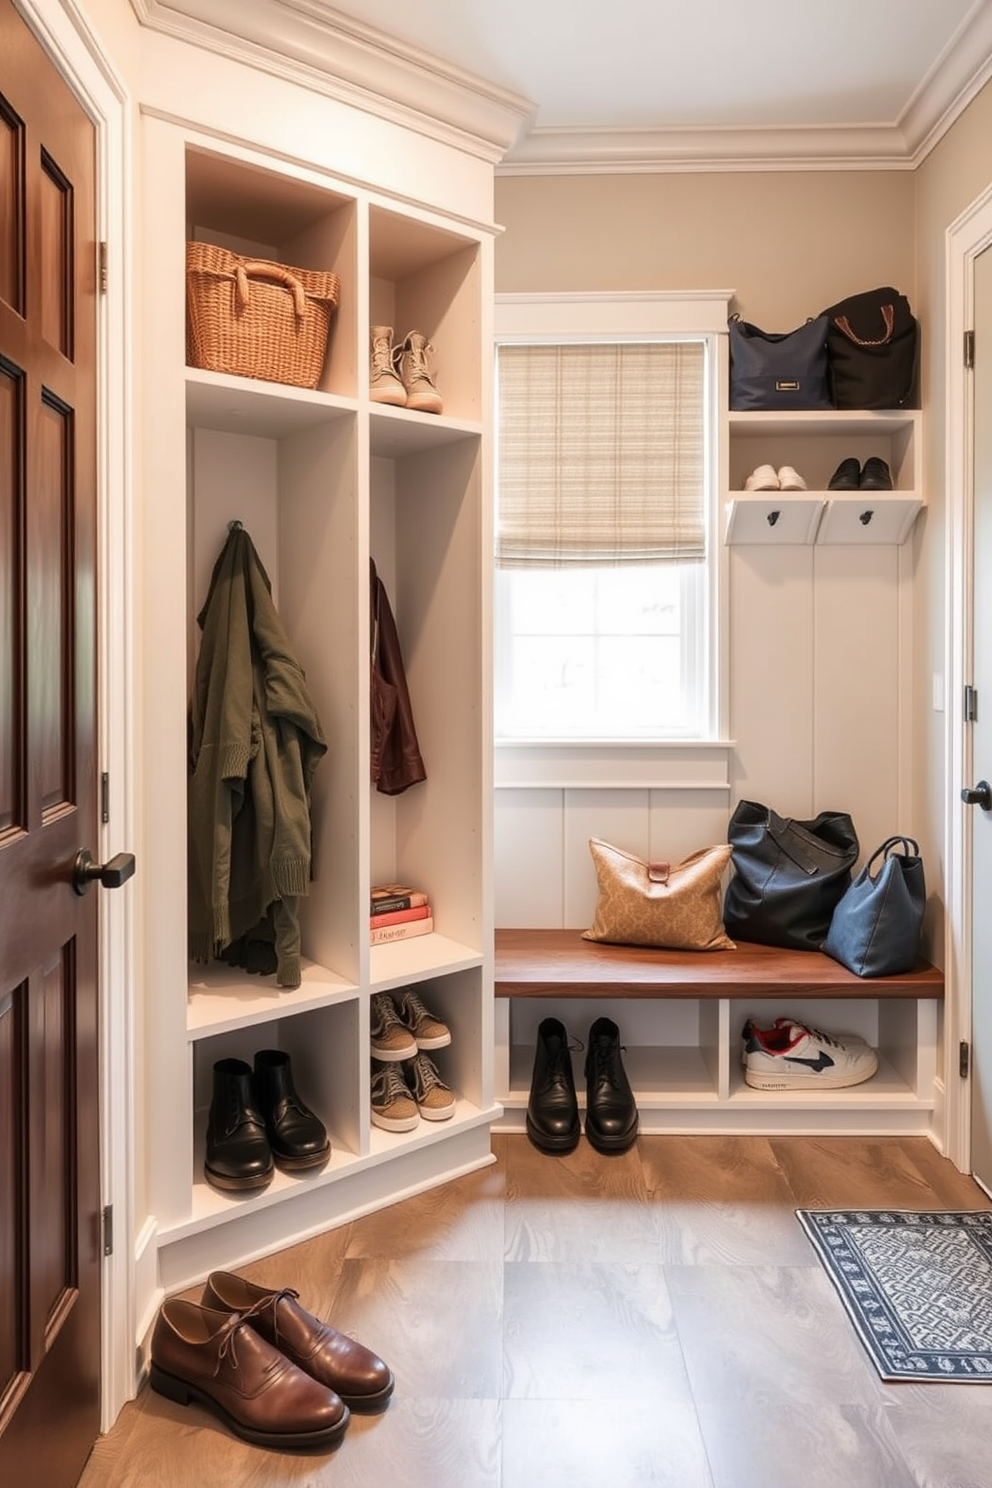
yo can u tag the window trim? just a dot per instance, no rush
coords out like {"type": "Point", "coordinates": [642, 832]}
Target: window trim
{"type": "Point", "coordinates": [577, 317]}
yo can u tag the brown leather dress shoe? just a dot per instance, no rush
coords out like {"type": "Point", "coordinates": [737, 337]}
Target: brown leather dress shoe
{"type": "Point", "coordinates": [360, 1377]}
{"type": "Point", "coordinates": [222, 1363]}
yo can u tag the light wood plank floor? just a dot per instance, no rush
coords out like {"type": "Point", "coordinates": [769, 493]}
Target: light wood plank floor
{"type": "Point", "coordinates": [605, 1322]}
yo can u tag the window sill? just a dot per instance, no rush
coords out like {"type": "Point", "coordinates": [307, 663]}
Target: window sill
{"type": "Point", "coordinates": [613, 764]}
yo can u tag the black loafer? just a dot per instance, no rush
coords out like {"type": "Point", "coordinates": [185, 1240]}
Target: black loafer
{"type": "Point", "coordinates": [611, 1112]}
{"type": "Point", "coordinates": [553, 1107]}
{"type": "Point", "coordinates": [847, 476]}
{"type": "Point", "coordinates": [875, 475]}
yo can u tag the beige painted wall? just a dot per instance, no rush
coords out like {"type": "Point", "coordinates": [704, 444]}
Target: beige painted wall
{"type": "Point", "coordinates": [787, 242]}
{"type": "Point", "coordinates": [957, 172]}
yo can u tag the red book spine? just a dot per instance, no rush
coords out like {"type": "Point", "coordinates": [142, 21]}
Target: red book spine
{"type": "Point", "coordinates": [399, 916]}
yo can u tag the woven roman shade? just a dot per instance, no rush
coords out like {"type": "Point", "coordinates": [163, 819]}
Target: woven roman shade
{"type": "Point", "coordinates": [600, 454]}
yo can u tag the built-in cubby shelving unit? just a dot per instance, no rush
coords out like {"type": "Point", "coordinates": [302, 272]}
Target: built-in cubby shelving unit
{"type": "Point", "coordinates": [325, 480]}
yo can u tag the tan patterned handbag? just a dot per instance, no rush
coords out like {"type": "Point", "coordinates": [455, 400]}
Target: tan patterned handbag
{"type": "Point", "coordinates": [677, 906]}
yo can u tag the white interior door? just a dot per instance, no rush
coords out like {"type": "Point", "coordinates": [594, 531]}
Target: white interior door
{"type": "Point", "coordinates": [981, 821]}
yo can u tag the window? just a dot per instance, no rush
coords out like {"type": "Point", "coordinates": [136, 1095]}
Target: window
{"type": "Point", "coordinates": [605, 481]}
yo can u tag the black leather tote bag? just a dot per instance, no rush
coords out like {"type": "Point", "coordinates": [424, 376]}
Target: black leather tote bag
{"type": "Point", "coordinates": [788, 875]}
{"type": "Point", "coordinates": [873, 351]}
{"type": "Point", "coordinates": [876, 927]}
{"type": "Point", "coordinates": [778, 369]}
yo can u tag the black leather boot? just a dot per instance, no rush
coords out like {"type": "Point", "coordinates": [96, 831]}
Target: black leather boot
{"type": "Point", "coordinates": [611, 1115]}
{"type": "Point", "coordinates": [553, 1108]}
{"type": "Point", "coordinates": [239, 1158]}
{"type": "Point", "coordinates": [297, 1137]}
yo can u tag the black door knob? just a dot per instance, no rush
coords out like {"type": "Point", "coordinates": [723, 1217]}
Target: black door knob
{"type": "Point", "coordinates": [111, 875]}
{"type": "Point", "coordinates": [978, 795]}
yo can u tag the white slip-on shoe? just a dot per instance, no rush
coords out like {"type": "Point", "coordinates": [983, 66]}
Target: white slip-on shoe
{"type": "Point", "coordinates": [762, 479]}
{"type": "Point", "coordinates": [790, 480]}
{"type": "Point", "coordinates": [792, 1056]}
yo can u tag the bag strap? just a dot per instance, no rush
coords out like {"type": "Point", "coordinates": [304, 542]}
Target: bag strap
{"type": "Point", "coordinates": [888, 318]}
{"type": "Point", "coordinates": [910, 849]}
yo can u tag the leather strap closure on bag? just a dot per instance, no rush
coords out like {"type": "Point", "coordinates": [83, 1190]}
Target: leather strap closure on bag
{"type": "Point", "coordinates": [658, 872]}
{"type": "Point", "coordinates": [888, 318]}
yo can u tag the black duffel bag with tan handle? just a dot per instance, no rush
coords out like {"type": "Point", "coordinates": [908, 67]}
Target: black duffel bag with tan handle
{"type": "Point", "coordinates": [873, 351]}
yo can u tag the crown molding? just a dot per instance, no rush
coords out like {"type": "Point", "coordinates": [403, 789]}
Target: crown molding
{"type": "Point", "coordinates": [309, 43]}
{"type": "Point", "coordinates": [568, 151]}
{"type": "Point", "coordinates": [954, 80]}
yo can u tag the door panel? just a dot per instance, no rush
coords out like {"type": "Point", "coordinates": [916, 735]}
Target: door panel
{"type": "Point", "coordinates": [50, 1253]}
{"type": "Point", "coordinates": [981, 821]}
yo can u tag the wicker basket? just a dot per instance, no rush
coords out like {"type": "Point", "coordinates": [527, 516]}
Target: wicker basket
{"type": "Point", "coordinates": [256, 319]}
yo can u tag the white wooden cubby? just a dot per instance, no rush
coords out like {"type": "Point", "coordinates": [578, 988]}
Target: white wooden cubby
{"type": "Point", "coordinates": [323, 480]}
{"type": "Point", "coordinates": [814, 444]}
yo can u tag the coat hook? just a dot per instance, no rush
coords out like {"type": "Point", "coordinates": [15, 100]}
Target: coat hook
{"type": "Point", "coordinates": [235, 525]}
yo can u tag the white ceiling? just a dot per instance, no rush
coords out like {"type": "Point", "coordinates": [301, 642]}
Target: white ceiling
{"type": "Point", "coordinates": [687, 63]}
{"type": "Point", "coordinates": [661, 67]}
{"type": "Point", "coordinates": [636, 84]}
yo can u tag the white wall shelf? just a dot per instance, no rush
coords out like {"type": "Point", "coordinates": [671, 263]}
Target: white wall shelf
{"type": "Point", "coordinates": [814, 444]}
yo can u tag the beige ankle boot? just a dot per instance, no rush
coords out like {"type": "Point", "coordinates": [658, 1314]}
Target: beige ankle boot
{"type": "Point", "coordinates": [384, 385]}
{"type": "Point", "coordinates": [410, 362]}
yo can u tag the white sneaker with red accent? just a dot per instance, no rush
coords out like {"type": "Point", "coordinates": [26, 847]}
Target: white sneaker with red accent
{"type": "Point", "coordinates": [792, 1056]}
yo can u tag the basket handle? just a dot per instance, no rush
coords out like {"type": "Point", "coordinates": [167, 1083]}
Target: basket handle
{"type": "Point", "coordinates": [262, 270]}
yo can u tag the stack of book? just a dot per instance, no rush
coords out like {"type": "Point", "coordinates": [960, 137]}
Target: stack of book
{"type": "Point", "coordinates": [398, 913]}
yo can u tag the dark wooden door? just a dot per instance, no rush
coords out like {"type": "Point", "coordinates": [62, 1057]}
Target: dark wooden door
{"type": "Point", "coordinates": [50, 1250]}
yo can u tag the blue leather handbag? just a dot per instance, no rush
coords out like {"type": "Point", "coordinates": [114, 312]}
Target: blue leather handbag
{"type": "Point", "coordinates": [778, 370]}
{"type": "Point", "coordinates": [875, 929]}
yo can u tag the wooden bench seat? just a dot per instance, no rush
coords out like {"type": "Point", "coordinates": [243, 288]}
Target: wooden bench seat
{"type": "Point", "coordinates": [559, 963]}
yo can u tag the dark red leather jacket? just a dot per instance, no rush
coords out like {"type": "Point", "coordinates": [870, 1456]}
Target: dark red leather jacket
{"type": "Point", "coordinates": [396, 759]}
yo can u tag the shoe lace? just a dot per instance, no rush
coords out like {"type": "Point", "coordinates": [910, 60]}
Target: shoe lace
{"type": "Point", "coordinates": [824, 1038]}
{"type": "Point", "coordinates": [242, 1319]}
{"type": "Point", "coordinates": [427, 1075]}
{"type": "Point", "coordinates": [604, 1067]}
{"type": "Point", "coordinates": [386, 1016]}
{"type": "Point", "coordinates": [416, 349]}
{"type": "Point", "coordinates": [559, 1058]}
{"type": "Point", "coordinates": [387, 1085]}
{"type": "Point", "coordinates": [382, 357]}
{"type": "Point", "coordinates": [413, 1011]}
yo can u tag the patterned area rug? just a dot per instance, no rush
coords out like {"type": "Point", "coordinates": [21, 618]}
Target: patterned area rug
{"type": "Point", "coordinates": [918, 1287]}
